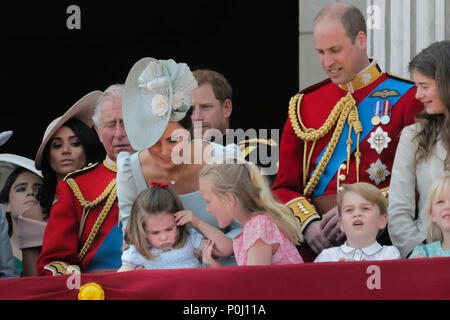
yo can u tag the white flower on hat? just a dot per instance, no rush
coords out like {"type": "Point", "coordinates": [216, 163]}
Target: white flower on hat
{"type": "Point", "coordinates": [177, 100]}
{"type": "Point", "coordinates": [160, 105]}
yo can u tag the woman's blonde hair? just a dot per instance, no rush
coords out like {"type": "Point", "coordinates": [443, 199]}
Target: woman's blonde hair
{"type": "Point", "coordinates": [243, 180]}
{"type": "Point", "coordinates": [434, 232]}
{"type": "Point", "coordinates": [151, 201]}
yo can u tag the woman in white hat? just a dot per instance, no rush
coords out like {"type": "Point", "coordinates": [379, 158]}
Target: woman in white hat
{"type": "Point", "coordinates": [20, 183]}
{"type": "Point", "coordinates": [69, 144]}
{"type": "Point", "coordinates": [155, 106]}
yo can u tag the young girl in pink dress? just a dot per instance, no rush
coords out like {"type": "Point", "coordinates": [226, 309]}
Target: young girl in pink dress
{"type": "Point", "coordinates": [237, 190]}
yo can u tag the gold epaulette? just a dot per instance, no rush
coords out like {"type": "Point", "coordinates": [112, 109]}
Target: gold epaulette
{"type": "Point", "coordinates": [394, 76]}
{"type": "Point", "coordinates": [304, 211]}
{"type": "Point", "coordinates": [385, 192]}
{"type": "Point", "coordinates": [58, 268]}
{"type": "Point", "coordinates": [110, 194]}
{"type": "Point", "coordinates": [75, 173]}
{"type": "Point", "coordinates": [79, 195]}
{"type": "Point", "coordinates": [247, 146]}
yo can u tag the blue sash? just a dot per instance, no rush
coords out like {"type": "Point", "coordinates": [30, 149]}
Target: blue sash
{"type": "Point", "coordinates": [365, 111]}
{"type": "Point", "coordinates": [109, 254]}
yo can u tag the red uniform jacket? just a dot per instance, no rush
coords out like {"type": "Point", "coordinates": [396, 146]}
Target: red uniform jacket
{"type": "Point", "coordinates": [318, 101]}
{"type": "Point", "coordinates": [61, 241]}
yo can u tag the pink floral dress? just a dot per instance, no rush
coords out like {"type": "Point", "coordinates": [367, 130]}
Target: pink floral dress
{"type": "Point", "coordinates": [262, 226]}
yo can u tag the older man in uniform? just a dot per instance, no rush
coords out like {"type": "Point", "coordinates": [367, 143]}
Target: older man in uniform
{"type": "Point", "coordinates": [342, 130]}
{"type": "Point", "coordinates": [83, 233]}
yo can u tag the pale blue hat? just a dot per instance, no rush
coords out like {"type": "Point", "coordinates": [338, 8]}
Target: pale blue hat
{"type": "Point", "coordinates": [156, 92]}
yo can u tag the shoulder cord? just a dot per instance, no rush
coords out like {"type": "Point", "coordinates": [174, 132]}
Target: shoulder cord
{"type": "Point", "coordinates": [345, 106]}
{"type": "Point", "coordinates": [110, 192]}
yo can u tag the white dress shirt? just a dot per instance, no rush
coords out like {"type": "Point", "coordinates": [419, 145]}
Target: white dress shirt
{"type": "Point", "coordinates": [373, 252]}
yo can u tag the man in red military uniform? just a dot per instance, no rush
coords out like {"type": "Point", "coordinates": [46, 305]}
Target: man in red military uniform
{"type": "Point", "coordinates": [83, 232]}
{"type": "Point", "coordinates": [342, 130]}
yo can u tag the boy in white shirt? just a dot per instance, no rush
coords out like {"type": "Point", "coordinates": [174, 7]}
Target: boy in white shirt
{"type": "Point", "coordinates": [362, 214]}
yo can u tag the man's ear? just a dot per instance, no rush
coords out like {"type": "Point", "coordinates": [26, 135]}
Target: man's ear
{"type": "Point", "coordinates": [361, 40]}
{"type": "Point", "coordinates": [227, 108]}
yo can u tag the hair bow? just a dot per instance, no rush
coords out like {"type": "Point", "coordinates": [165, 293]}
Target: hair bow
{"type": "Point", "coordinates": [159, 184]}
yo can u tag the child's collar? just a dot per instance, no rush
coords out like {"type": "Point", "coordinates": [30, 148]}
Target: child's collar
{"type": "Point", "coordinates": [370, 250]}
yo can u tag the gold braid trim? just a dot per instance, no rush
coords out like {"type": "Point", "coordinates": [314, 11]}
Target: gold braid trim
{"type": "Point", "coordinates": [85, 203]}
{"type": "Point", "coordinates": [340, 113]}
{"type": "Point", "coordinates": [311, 134]}
{"type": "Point", "coordinates": [106, 208]}
{"type": "Point", "coordinates": [110, 192]}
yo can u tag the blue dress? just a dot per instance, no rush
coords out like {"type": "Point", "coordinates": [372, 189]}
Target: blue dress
{"type": "Point", "coordinates": [433, 249]}
{"type": "Point", "coordinates": [171, 259]}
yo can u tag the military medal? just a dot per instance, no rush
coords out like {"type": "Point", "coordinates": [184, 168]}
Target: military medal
{"type": "Point", "coordinates": [386, 113]}
{"type": "Point", "coordinates": [378, 172]}
{"type": "Point", "coordinates": [379, 140]}
{"type": "Point", "coordinates": [376, 118]}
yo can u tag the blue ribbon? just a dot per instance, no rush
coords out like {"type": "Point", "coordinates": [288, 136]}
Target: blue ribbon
{"type": "Point", "coordinates": [365, 111]}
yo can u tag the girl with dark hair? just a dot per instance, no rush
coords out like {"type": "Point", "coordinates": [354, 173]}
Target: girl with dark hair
{"type": "Point", "coordinates": [157, 236]}
{"type": "Point", "coordinates": [423, 151]}
{"type": "Point", "coordinates": [18, 195]}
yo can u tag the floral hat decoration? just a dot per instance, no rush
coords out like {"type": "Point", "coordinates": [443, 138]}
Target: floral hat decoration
{"type": "Point", "coordinates": [156, 92]}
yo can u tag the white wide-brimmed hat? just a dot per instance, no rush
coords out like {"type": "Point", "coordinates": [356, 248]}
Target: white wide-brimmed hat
{"type": "Point", "coordinates": [156, 92]}
{"type": "Point", "coordinates": [83, 110]}
{"type": "Point", "coordinates": [4, 136]}
{"type": "Point", "coordinates": [9, 162]}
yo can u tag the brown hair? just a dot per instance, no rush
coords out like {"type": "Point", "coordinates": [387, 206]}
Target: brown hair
{"type": "Point", "coordinates": [221, 88]}
{"type": "Point", "coordinates": [152, 200]}
{"type": "Point", "coordinates": [243, 180]}
{"type": "Point", "coordinates": [434, 62]}
{"type": "Point", "coordinates": [350, 16]}
{"type": "Point", "coordinates": [365, 190]}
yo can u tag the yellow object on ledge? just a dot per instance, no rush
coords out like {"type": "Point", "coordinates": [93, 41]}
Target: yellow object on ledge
{"type": "Point", "coordinates": [91, 291]}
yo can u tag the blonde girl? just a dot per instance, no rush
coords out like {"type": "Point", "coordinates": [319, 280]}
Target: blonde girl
{"type": "Point", "coordinates": [153, 238]}
{"type": "Point", "coordinates": [235, 189]}
{"type": "Point", "coordinates": [438, 233]}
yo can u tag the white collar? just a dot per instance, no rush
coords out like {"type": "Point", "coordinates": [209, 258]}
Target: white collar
{"type": "Point", "coordinates": [110, 162]}
{"type": "Point", "coordinates": [368, 251]}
